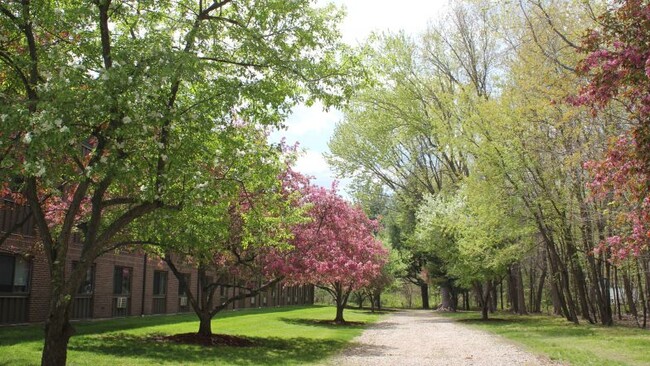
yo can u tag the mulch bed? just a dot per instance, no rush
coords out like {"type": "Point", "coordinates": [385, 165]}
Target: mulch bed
{"type": "Point", "coordinates": [332, 322]}
{"type": "Point", "coordinates": [207, 341]}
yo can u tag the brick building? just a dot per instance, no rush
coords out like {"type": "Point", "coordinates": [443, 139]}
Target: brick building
{"type": "Point", "coordinates": [123, 284]}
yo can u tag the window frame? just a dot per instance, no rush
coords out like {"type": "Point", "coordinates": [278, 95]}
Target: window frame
{"type": "Point", "coordinates": [188, 281]}
{"type": "Point", "coordinates": [90, 270]}
{"type": "Point", "coordinates": [157, 284]}
{"type": "Point", "coordinates": [130, 282]}
{"type": "Point", "coordinates": [28, 275]}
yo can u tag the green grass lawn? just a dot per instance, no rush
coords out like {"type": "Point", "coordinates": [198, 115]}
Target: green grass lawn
{"type": "Point", "coordinates": [560, 340]}
{"type": "Point", "coordinates": [283, 336]}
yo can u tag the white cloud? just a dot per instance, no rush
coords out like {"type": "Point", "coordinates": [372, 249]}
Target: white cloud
{"type": "Point", "coordinates": [313, 163]}
{"type": "Point", "coordinates": [365, 16]}
{"type": "Point", "coordinates": [311, 120]}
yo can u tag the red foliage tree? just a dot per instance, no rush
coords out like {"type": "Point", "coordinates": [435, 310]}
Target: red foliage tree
{"type": "Point", "coordinates": [335, 250]}
{"type": "Point", "coordinates": [618, 68]}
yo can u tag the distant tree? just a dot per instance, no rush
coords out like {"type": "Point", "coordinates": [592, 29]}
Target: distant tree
{"type": "Point", "coordinates": [335, 251]}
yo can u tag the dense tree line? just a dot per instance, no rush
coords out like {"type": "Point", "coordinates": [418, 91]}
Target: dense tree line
{"type": "Point", "coordinates": [509, 146]}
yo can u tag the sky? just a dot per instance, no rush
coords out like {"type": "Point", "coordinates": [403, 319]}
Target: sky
{"type": "Point", "coordinates": [311, 126]}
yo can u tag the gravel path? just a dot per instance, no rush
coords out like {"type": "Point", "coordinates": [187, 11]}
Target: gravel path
{"type": "Point", "coordinates": [424, 338]}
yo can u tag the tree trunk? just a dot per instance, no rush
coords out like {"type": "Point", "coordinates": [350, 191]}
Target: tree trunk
{"type": "Point", "coordinates": [57, 335]}
{"type": "Point", "coordinates": [484, 312]}
{"type": "Point", "coordinates": [484, 292]}
{"type": "Point", "coordinates": [617, 294]}
{"type": "Point", "coordinates": [578, 275]}
{"type": "Point", "coordinates": [339, 314]}
{"type": "Point", "coordinates": [501, 292]}
{"type": "Point", "coordinates": [205, 324]}
{"type": "Point", "coordinates": [627, 285]}
{"type": "Point", "coordinates": [555, 298]}
{"type": "Point", "coordinates": [521, 296]}
{"type": "Point", "coordinates": [641, 292]}
{"type": "Point", "coordinates": [341, 296]}
{"type": "Point", "coordinates": [424, 291]}
{"type": "Point", "coordinates": [537, 307]}
{"type": "Point", "coordinates": [446, 301]}
{"type": "Point", "coordinates": [512, 290]}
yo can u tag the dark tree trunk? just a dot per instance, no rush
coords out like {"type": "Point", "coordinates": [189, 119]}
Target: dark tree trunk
{"type": "Point", "coordinates": [559, 273]}
{"type": "Point", "coordinates": [501, 292]}
{"type": "Point", "coordinates": [424, 291]}
{"type": "Point", "coordinates": [341, 296]}
{"type": "Point", "coordinates": [484, 312]}
{"type": "Point", "coordinates": [537, 307]}
{"type": "Point", "coordinates": [57, 335]}
{"type": "Point", "coordinates": [555, 298]}
{"type": "Point", "coordinates": [641, 292]}
{"type": "Point", "coordinates": [58, 329]}
{"type": "Point", "coordinates": [521, 296]}
{"type": "Point", "coordinates": [446, 300]}
{"type": "Point", "coordinates": [484, 292]}
{"type": "Point", "coordinates": [454, 297]}
{"type": "Point", "coordinates": [627, 285]}
{"type": "Point", "coordinates": [617, 294]}
{"type": "Point", "coordinates": [598, 286]}
{"type": "Point", "coordinates": [578, 275]}
{"type": "Point", "coordinates": [205, 324]}
{"type": "Point", "coordinates": [532, 273]}
{"type": "Point", "coordinates": [339, 314]}
{"type": "Point", "coordinates": [561, 277]}
{"type": "Point", "coordinates": [512, 290]}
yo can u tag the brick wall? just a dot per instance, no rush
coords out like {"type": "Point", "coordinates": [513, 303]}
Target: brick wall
{"type": "Point", "coordinates": [103, 296]}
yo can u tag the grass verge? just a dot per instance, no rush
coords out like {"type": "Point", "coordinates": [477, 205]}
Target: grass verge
{"type": "Point", "coordinates": [283, 336]}
{"type": "Point", "coordinates": [566, 342]}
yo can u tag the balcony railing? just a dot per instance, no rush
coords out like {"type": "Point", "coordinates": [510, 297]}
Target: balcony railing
{"type": "Point", "coordinates": [13, 309]}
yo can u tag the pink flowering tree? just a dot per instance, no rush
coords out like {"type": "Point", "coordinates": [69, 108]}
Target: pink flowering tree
{"type": "Point", "coordinates": [618, 69]}
{"type": "Point", "coordinates": [336, 250]}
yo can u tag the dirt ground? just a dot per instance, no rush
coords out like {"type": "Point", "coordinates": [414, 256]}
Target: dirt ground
{"type": "Point", "coordinates": [417, 337]}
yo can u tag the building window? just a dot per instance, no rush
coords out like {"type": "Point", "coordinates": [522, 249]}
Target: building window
{"type": "Point", "coordinates": [182, 290]}
{"type": "Point", "coordinates": [122, 280]}
{"type": "Point", "coordinates": [82, 305]}
{"type": "Point", "coordinates": [14, 274]}
{"type": "Point", "coordinates": [159, 283]}
{"type": "Point", "coordinates": [87, 285]}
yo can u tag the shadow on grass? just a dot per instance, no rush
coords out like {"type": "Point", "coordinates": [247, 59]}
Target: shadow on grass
{"type": "Point", "coordinates": [488, 320]}
{"type": "Point", "coordinates": [266, 351]}
{"type": "Point", "coordinates": [12, 335]}
{"type": "Point", "coordinates": [378, 312]}
{"type": "Point", "coordinates": [324, 323]}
